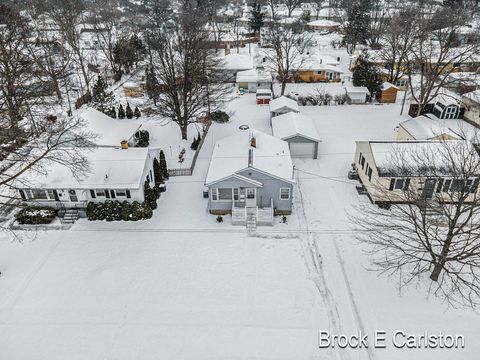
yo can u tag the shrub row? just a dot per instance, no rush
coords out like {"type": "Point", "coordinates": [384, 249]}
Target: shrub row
{"type": "Point", "coordinates": [117, 211]}
{"type": "Point", "coordinates": [36, 215]}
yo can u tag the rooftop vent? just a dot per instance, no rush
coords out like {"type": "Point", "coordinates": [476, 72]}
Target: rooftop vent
{"type": "Point", "coordinates": [244, 127]}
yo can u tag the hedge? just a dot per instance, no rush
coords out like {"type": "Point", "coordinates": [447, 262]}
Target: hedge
{"type": "Point", "coordinates": [36, 215]}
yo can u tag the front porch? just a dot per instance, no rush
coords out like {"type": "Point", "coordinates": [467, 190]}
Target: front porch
{"type": "Point", "coordinates": [252, 216]}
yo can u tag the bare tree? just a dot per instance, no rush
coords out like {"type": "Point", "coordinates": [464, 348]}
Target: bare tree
{"type": "Point", "coordinates": [433, 56]}
{"type": "Point", "coordinates": [185, 68]}
{"type": "Point", "coordinates": [292, 5]}
{"type": "Point", "coordinates": [431, 234]}
{"type": "Point", "coordinates": [288, 52]}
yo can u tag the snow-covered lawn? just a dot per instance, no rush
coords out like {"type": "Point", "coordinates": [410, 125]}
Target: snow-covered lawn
{"type": "Point", "coordinates": [181, 286]}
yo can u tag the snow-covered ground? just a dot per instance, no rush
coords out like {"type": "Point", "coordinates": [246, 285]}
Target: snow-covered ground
{"type": "Point", "coordinates": [182, 286]}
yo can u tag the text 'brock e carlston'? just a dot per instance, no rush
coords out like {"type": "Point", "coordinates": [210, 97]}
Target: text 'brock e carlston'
{"type": "Point", "coordinates": [398, 339]}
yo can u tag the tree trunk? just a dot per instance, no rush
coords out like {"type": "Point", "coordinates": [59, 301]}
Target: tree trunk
{"type": "Point", "coordinates": [183, 129]}
{"type": "Point", "coordinates": [436, 271]}
{"type": "Point", "coordinates": [284, 85]}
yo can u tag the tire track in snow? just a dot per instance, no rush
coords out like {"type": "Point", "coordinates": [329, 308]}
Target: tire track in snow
{"type": "Point", "coordinates": [314, 265]}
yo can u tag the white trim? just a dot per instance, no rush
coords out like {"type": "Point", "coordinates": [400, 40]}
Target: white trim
{"type": "Point", "coordinates": [280, 193]}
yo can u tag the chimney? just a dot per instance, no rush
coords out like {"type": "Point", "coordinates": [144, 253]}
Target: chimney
{"type": "Point", "coordinates": [253, 142]}
{"type": "Point", "coordinates": [250, 157]}
{"type": "Point", "coordinates": [124, 144]}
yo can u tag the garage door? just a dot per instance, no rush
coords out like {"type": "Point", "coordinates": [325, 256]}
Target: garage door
{"type": "Point", "coordinates": [302, 150]}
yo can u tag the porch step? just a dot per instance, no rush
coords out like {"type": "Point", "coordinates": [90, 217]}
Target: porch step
{"type": "Point", "coordinates": [71, 215]}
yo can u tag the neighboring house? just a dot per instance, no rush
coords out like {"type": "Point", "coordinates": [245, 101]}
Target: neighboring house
{"type": "Point", "coordinates": [472, 107]}
{"type": "Point", "coordinates": [232, 64]}
{"type": "Point", "coordinates": [386, 182]}
{"type": "Point", "coordinates": [447, 107]}
{"type": "Point", "coordinates": [314, 71]}
{"type": "Point", "coordinates": [282, 105]}
{"type": "Point", "coordinates": [250, 173]}
{"type": "Point", "coordinates": [253, 79]}
{"type": "Point", "coordinates": [388, 93]}
{"type": "Point", "coordinates": [357, 94]}
{"type": "Point", "coordinates": [429, 127]}
{"type": "Point", "coordinates": [114, 174]}
{"type": "Point", "coordinates": [323, 25]}
{"type": "Point", "coordinates": [300, 133]}
{"type": "Point", "coordinates": [108, 132]}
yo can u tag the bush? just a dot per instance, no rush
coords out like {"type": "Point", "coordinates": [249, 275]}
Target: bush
{"type": "Point", "coordinates": [151, 195]}
{"type": "Point", "coordinates": [118, 211]}
{"type": "Point", "coordinates": [143, 138]}
{"type": "Point", "coordinates": [137, 112]}
{"type": "Point", "coordinates": [219, 219]}
{"type": "Point", "coordinates": [219, 116]}
{"type": "Point", "coordinates": [129, 112]}
{"type": "Point", "coordinates": [121, 112]}
{"type": "Point", "coordinates": [36, 215]}
{"type": "Point", "coordinates": [163, 165]}
{"type": "Point", "coordinates": [340, 99]}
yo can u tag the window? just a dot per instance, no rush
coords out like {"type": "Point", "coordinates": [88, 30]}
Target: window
{"type": "Point", "coordinates": [370, 174]}
{"type": "Point", "coordinates": [92, 194]}
{"type": "Point", "coordinates": [40, 194]}
{"type": "Point", "coordinates": [440, 185]}
{"type": "Point", "coordinates": [122, 193]}
{"type": "Point", "coordinates": [446, 185]}
{"type": "Point", "coordinates": [363, 162]}
{"type": "Point", "coordinates": [399, 184]}
{"type": "Point", "coordinates": [100, 192]}
{"type": "Point", "coordinates": [235, 194]}
{"type": "Point", "coordinates": [360, 158]}
{"type": "Point", "coordinates": [366, 169]}
{"type": "Point", "coordinates": [457, 185]}
{"type": "Point", "coordinates": [284, 193]}
{"type": "Point", "coordinates": [214, 194]}
{"type": "Point", "coordinates": [450, 112]}
{"type": "Point", "coordinates": [51, 194]}
{"type": "Point", "coordinates": [222, 194]}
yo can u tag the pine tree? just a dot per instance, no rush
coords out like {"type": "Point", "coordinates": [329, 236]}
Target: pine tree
{"type": "Point", "coordinates": [163, 165]}
{"type": "Point", "coordinates": [113, 112]}
{"type": "Point", "coordinates": [121, 112]}
{"type": "Point", "coordinates": [129, 112]}
{"type": "Point", "coordinates": [257, 18]}
{"type": "Point", "coordinates": [101, 98]}
{"type": "Point", "coordinates": [152, 86]}
{"type": "Point", "coordinates": [365, 73]}
{"type": "Point", "coordinates": [157, 172]}
{"type": "Point", "coordinates": [136, 112]}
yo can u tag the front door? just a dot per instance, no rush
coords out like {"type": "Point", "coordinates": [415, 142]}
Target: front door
{"type": "Point", "coordinates": [428, 188]}
{"type": "Point", "coordinates": [73, 195]}
{"type": "Point", "coordinates": [251, 200]}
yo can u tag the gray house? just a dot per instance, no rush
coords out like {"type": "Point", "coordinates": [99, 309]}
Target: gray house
{"type": "Point", "coordinates": [250, 176]}
{"type": "Point", "coordinates": [282, 105]}
{"type": "Point", "coordinates": [300, 133]}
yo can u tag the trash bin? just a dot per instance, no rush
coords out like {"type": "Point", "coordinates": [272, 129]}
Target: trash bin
{"type": "Point", "coordinates": [205, 193]}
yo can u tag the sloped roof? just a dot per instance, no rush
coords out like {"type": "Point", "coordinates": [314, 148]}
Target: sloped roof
{"type": "Point", "coordinates": [110, 132]}
{"type": "Point", "coordinates": [428, 126]}
{"type": "Point", "coordinates": [231, 155]}
{"type": "Point", "coordinates": [109, 168]}
{"type": "Point", "coordinates": [253, 75]}
{"type": "Point", "coordinates": [283, 101]}
{"type": "Point", "coordinates": [473, 95]}
{"type": "Point", "coordinates": [294, 124]}
{"type": "Point", "coordinates": [356, 89]}
{"type": "Point", "coordinates": [387, 85]}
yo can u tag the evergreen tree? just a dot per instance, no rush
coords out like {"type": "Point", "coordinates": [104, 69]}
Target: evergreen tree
{"type": "Point", "coordinates": [152, 86]}
{"type": "Point", "coordinates": [136, 112]}
{"type": "Point", "coordinates": [113, 112]}
{"type": "Point", "coordinates": [357, 26]}
{"type": "Point", "coordinates": [121, 112]}
{"type": "Point", "coordinates": [157, 172]}
{"type": "Point", "coordinates": [365, 73]}
{"type": "Point", "coordinates": [101, 98]}
{"type": "Point", "coordinates": [129, 112]}
{"type": "Point", "coordinates": [163, 165]}
{"type": "Point", "coordinates": [257, 18]}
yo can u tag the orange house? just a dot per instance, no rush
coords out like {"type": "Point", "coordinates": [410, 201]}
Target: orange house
{"type": "Point", "coordinates": [319, 73]}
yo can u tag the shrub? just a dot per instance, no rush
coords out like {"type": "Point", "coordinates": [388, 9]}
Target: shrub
{"type": "Point", "coordinates": [340, 99]}
{"type": "Point", "coordinates": [129, 112]}
{"type": "Point", "coordinates": [163, 165]}
{"type": "Point", "coordinates": [137, 112]}
{"type": "Point", "coordinates": [219, 219]}
{"type": "Point", "coordinates": [119, 211]}
{"type": "Point", "coordinates": [157, 172]}
{"type": "Point", "coordinates": [121, 112]}
{"type": "Point", "coordinates": [143, 138]}
{"type": "Point", "coordinates": [36, 215]}
{"type": "Point", "coordinates": [219, 116]}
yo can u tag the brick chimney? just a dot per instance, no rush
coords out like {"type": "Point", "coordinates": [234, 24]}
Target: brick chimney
{"type": "Point", "coordinates": [253, 142]}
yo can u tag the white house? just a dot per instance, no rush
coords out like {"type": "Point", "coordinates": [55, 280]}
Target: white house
{"type": "Point", "coordinates": [429, 127]}
{"type": "Point", "coordinates": [114, 173]}
{"type": "Point", "coordinates": [282, 105]}
{"type": "Point", "coordinates": [357, 94]}
{"type": "Point", "coordinates": [250, 173]}
{"type": "Point", "coordinates": [322, 25]}
{"type": "Point", "coordinates": [108, 132]}
{"type": "Point", "coordinates": [300, 133]}
{"type": "Point", "coordinates": [253, 79]}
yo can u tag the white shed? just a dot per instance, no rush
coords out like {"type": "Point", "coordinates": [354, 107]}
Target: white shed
{"type": "Point", "coordinates": [357, 94]}
{"type": "Point", "coordinates": [282, 105]}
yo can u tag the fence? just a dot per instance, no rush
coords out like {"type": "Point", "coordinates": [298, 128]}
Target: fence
{"type": "Point", "coordinates": [189, 171]}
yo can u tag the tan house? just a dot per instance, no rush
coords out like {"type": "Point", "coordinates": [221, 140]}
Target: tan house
{"type": "Point", "coordinates": [387, 179]}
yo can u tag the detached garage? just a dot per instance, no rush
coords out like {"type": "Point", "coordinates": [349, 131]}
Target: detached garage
{"type": "Point", "coordinates": [300, 133]}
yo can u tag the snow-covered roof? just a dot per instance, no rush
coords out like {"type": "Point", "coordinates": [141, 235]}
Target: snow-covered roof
{"type": "Point", "coordinates": [234, 61]}
{"type": "Point", "coordinates": [356, 90]}
{"type": "Point", "coordinates": [110, 131]}
{"type": "Point", "coordinates": [323, 23]}
{"type": "Point", "coordinates": [426, 127]}
{"type": "Point", "coordinates": [283, 101]}
{"type": "Point", "coordinates": [109, 168]}
{"type": "Point", "coordinates": [292, 124]}
{"type": "Point", "coordinates": [387, 85]}
{"type": "Point", "coordinates": [410, 158]}
{"type": "Point", "coordinates": [473, 95]}
{"type": "Point", "coordinates": [231, 155]}
{"type": "Point", "coordinates": [253, 75]}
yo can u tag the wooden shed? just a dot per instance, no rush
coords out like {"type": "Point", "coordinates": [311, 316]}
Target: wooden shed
{"type": "Point", "coordinates": [388, 93]}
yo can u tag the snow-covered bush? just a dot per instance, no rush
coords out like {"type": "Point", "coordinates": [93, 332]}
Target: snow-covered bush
{"type": "Point", "coordinates": [34, 215]}
{"type": "Point", "coordinates": [119, 211]}
{"type": "Point", "coordinates": [219, 116]}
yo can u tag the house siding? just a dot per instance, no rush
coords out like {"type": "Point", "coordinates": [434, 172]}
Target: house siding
{"type": "Point", "coordinates": [300, 139]}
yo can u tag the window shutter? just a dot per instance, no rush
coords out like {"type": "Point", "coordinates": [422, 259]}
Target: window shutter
{"type": "Point", "coordinates": [392, 184]}
{"type": "Point", "coordinates": [112, 194]}
{"type": "Point", "coordinates": [107, 194]}
{"type": "Point", "coordinates": [128, 194]}
{"type": "Point", "coordinates": [22, 195]}
{"type": "Point", "coordinates": [440, 185]}
{"type": "Point", "coordinates": [92, 194]}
